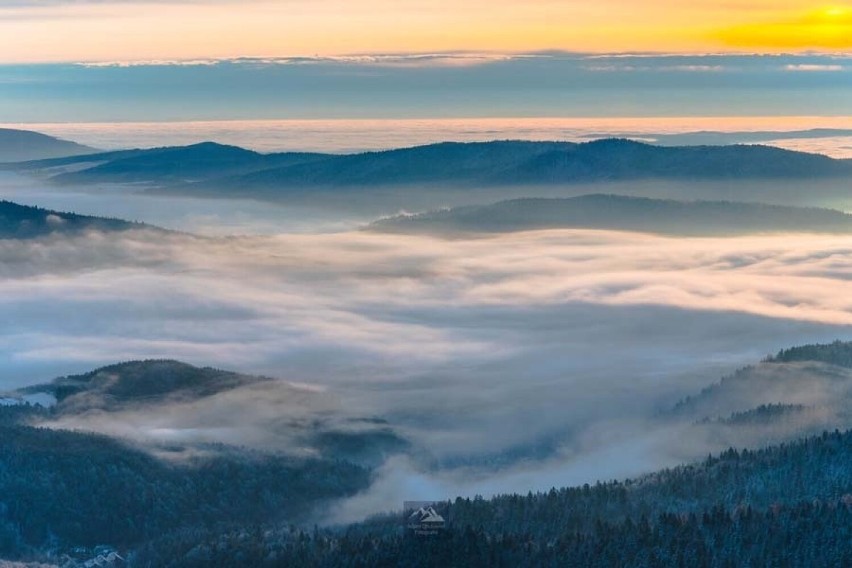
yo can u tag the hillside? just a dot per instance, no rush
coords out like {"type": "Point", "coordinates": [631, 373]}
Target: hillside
{"type": "Point", "coordinates": [734, 505]}
{"type": "Point", "coordinates": [138, 382]}
{"type": "Point", "coordinates": [22, 145]}
{"type": "Point", "coordinates": [621, 213]}
{"type": "Point", "coordinates": [180, 164]}
{"type": "Point", "coordinates": [63, 490]}
{"type": "Point", "coordinates": [543, 163]}
{"type": "Point", "coordinates": [788, 505]}
{"type": "Point", "coordinates": [210, 168]}
{"type": "Point", "coordinates": [801, 387]}
{"type": "Point", "coordinates": [25, 222]}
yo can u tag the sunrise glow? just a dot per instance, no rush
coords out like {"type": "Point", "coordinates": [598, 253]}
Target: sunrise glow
{"type": "Point", "coordinates": [97, 31]}
{"type": "Point", "coordinates": [823, 28]}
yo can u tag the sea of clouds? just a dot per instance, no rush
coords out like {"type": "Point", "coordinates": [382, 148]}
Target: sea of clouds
{"type": "Point", "coordinates": [511, 362]}
{"type": "Point", "coordinates": [471, 349]}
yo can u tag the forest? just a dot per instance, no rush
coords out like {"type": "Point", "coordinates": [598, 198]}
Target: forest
{"type": "Point", "coordinates": [789, 505]}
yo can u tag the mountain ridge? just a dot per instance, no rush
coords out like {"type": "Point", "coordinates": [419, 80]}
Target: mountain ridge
{"type": "Point", "coordinates": [618, 212]}
{"type": "Point", "coordinates": [20, 145]}
{"type": "Point", "coordinates": [217, 169]}
{"type": "Point", "coordinates": [27, 222]}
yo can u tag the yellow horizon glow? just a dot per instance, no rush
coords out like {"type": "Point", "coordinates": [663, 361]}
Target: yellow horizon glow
{"type": "Point", "coordinates": [142, 30]}
{"type": "Point", "coordinates": [828, 27]}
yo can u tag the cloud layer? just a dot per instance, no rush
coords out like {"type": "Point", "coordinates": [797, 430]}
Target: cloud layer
{"type": "Point", "coordinates": [581, 336]}
{"type": "Point", "coordinates": [427, 85]}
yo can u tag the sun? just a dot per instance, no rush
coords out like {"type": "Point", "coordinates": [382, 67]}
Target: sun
{"type": "Point", "coordinates": [826, 27]}
{"type": "Point", "coordinates": [834, 11]}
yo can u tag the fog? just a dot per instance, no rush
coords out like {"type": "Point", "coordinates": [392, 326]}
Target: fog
{"type": "Point", "coordinates": [511, 362]}
{"type": "Point", "coordinates": [827, 135]}
{"type": "Point", "coordinates": [218, 217]}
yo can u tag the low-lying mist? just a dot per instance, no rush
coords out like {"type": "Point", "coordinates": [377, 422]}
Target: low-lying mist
{"type": "Point", "coordinates": [512, 362]}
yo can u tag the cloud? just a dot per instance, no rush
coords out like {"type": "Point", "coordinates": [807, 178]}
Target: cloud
{"type": "Point", "coordinates": [813, 67]}
{"type": "Point", "coordinates": [621, 68]}
{"type": "Point", "coordinates": [414, 60]}
{"type": "Point", "coordinates": [582, 336]}
{"type": "Point", "coordinates": [420, 85]}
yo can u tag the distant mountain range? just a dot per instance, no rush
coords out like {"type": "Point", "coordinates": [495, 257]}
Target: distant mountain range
{"type": "Point", "coordinates": [181, 164]}
{"type": "Point", "coordinates": [535, 163]}
{"type": "Point", "coordinates": [25, 222]}
{"type": "Point", "coordinates": [714, 138]}
{"type": "Point", "coordinates": [22, 145]}
{"type": "Point", "coordinates": [620, 213]}
{"type": "Point", "coordinates": [210, 168]}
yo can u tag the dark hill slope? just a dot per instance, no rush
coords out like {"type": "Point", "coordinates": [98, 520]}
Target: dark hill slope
{"type": "Point", "coordinates": [536, 163]}
{"type": "Point", "coordinates": [179, 164]}
{"type": "Point", "coordinates": [621, 213]}
{"type": "Point", "coordinates": [141, 382]}
{"type": "Point", "coordinates": [24, 222]}
{"type": "Point", "coordinates": [64, 489]}
{"type": "Point", "coordinates": [808, 382]}
{"type": "Point", "coordinates": [787, 505]}
{"type": "Point", "coordinates": [449, 162]}
{"type": "Point", "coordinates": [210, 168]}
{"type": "Point", "coordinates": [21, 145]}
{"type": "Point", "coordinates": [617, 159]}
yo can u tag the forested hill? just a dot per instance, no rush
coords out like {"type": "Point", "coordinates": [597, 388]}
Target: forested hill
{"type": "Point", "coordinates": [209, 167]}
{"type": "Point", "coordinates": [214, 505]}
{"type": "Point", "coordinates": [789, 505]}
{"type": "Point", "coordinates": [621, 213]}
{"type": "Point", "coordinates": [25, 222]}
{"type": "Point", "coordinates": [61, 489]}
{"type": "Point", "coordinates": [213, 400]}
{"type": "Point", "coordinates": [20, 145]}
{"type": "Point", "coordinates": [137, 382]}
{"type": "Point", "coordinates": [197, 162]}
{"type": "Point", "coordinates": [534, 163]}
{"type": "Point", "coordinates": [838, 353]}
{"type": "Point", "coordinates": [798, 389]}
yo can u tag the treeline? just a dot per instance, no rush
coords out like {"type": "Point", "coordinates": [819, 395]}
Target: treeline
{"type": "Point", "coordinates": [25, 222]}
{"type": "Point", "coordinates": [804, 535]}
{"type": "Point", "coordinates": [837, 353]}
{"type": "Point", "coordinates": [790, 505]}
{"type": "Point", "coordinates": [60, 489]}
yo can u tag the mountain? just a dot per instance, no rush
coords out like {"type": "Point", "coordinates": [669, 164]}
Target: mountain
{"type": "Point", "coordinates": [804, 388]}
{"type": "Point", "coordinates": [67, 492]}
{"type": "Point", "coordinates": [715, 138]}
{"type": "Point", "coordinates": [228, 506]}
{"type": "Point", "coordinates": [215, 169]}
{"type": "Point", "coordinates": [179, 396]}
{"type": "Point", "coordinates": [621, 213]}
{"type": "Point", "coordinates": [448, 162]}
{"type": "Point", "coordinates": [542, 163]}
{"type": "Point", "coordinates": [25, 222]}
{"type": "Point", "coordinates": [135, 382]}
{"type": "Point", "coordinates": [788, 505]}
{"type": "Point", "coordinates": [170, 165]}
{"type": "Point", "coordinates": [21, 145]}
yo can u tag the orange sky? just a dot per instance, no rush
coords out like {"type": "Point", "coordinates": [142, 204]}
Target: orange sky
{"type": "Point", "coordinates": [65, 30]}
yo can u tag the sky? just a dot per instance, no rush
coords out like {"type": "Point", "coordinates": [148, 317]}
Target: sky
{"type": "Point", "coordinates": [170, 60]}
{"type": "Point", "coordinates": [454, 85]}
{"type": "Point", "coordinates": [99, 30]}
